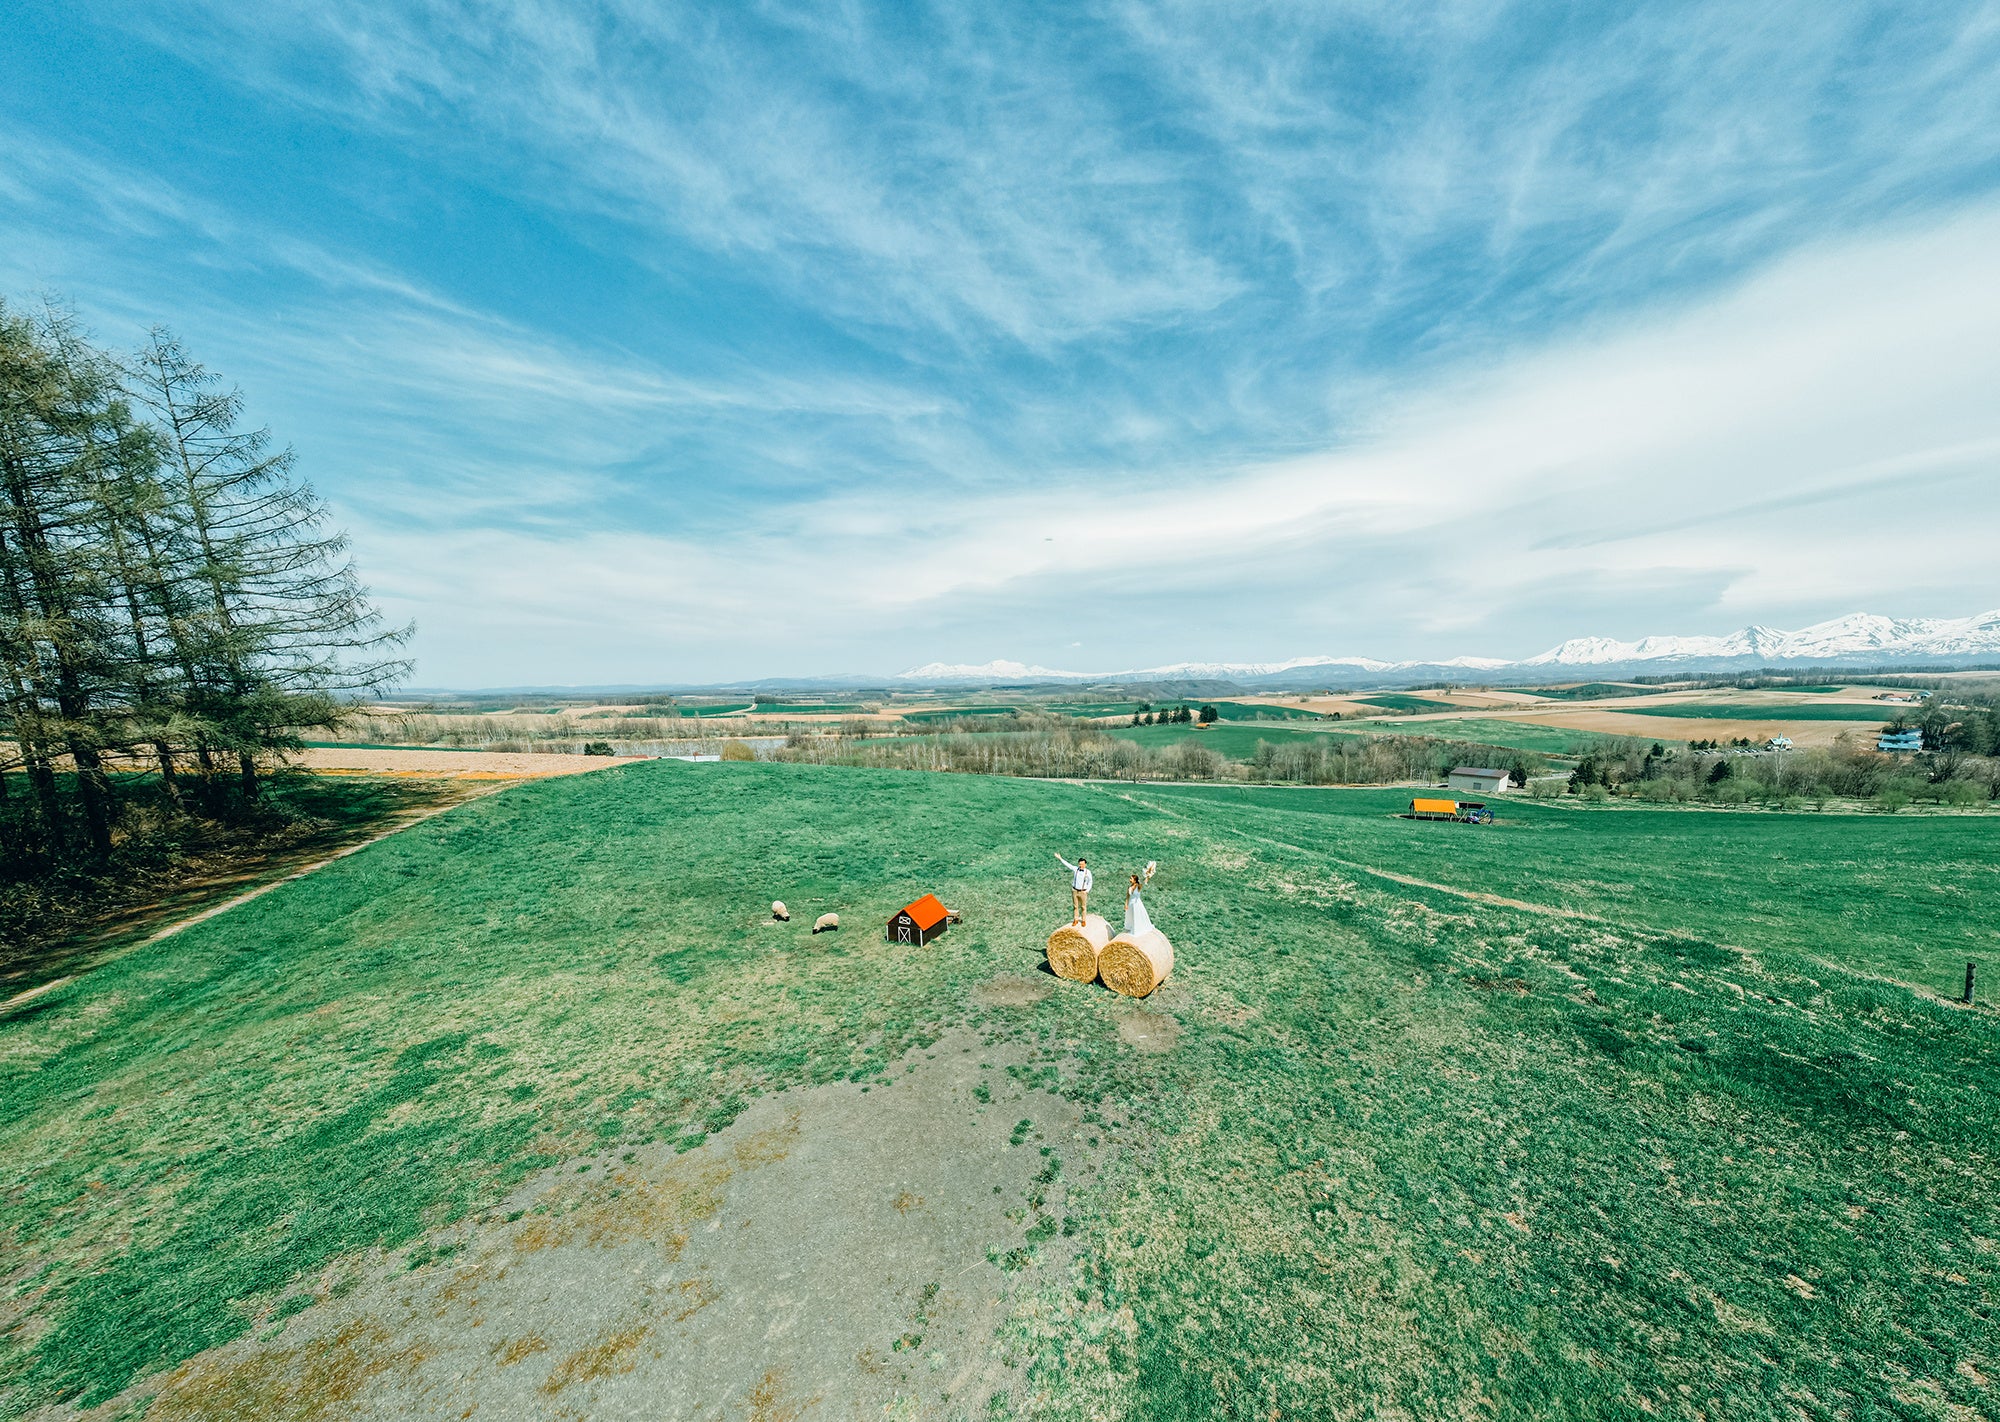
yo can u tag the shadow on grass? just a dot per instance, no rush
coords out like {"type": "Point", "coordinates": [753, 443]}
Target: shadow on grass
{"type": "Point", "coordinates": [63, 916]}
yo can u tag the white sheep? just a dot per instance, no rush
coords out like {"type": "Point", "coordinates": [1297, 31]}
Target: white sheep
{"type": "Point", "coordinates": [826, 923]}
{"type": "Point", "coordinates": [780, 912]}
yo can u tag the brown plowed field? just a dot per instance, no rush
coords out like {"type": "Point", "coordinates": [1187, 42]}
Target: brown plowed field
{"type": "Point", "coordinates": [455, 765]}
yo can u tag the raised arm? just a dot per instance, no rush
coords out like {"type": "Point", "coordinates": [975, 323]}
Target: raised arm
{"type": "Point", "coordinates": [1065, 864]}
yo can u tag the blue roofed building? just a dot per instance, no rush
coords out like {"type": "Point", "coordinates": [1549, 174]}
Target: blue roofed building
{"type": "Point", "coordinates": [1900, 742]}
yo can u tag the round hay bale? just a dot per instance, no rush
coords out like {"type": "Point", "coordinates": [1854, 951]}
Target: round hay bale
{"type": "Point", "coordinates": [780, 912]}
{"type": "Point", "coordinates": [826, 923]}
{"type": "Point", "coordinates": [1137, 964]}
{"type": "Point", "coordinates": [1073, 950]}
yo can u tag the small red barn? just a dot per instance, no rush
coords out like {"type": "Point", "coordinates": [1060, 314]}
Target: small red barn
{"type": "Point", "coordinates": [920, 922]}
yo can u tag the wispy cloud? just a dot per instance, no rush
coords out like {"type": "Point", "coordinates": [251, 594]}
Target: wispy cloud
{"type": "Point", "coordinates": [726, 338]}
{"type": "Point", "coordinates": [1772, 452]}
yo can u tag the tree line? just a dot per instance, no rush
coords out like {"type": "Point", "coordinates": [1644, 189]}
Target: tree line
{"type": "Point", "coordinates": [173, 597]}
{"type": "Point", "coordinates": [1063, 748]}
{"type": "Point", "coordinates": [1851, 769]}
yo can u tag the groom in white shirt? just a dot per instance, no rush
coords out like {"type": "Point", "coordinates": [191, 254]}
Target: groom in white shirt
{"type": "Point", "coordinates": [1079, 883]}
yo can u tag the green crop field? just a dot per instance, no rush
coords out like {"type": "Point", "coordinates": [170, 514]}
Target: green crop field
{"type": "Point", "coordinates": [1234, 741]}
{"type": "Point", "coordinates": [1592, 691]}
{"type": "Point", "coordinates": [1224, 710]}
{"type": "Point", "coordinates": [1764, 711]}
{"type": "Point", "coordinates": [1258, 711]}
{"type": "Point", "coordinates": [1516, 735]}
{"type": "Point", "coordinates": [734, 708]}
{"type": "Point", "coordinates": [954, 713]}
{"type": "Point", "coordinates": [1238, 741]}
{"type": "Point", "coordinates": [1375, 1150]}
{"type": "Point", "coordinates": [1402, 701]}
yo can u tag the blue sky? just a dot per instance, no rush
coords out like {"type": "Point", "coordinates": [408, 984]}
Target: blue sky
{"type": "Point", "coordinates": [645, 343]}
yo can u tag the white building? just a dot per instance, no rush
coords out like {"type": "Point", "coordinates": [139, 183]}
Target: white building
{"type": "Point", "coordinates": [1477, 779]}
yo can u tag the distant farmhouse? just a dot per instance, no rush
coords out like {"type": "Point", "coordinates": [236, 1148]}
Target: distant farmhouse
{"type": "Point", "coordinates": [1477, 779]}
{"type": "Point", "coordinates": [1900, 741]}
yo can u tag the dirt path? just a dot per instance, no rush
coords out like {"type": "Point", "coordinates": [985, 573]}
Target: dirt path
{"type": "Point", "coordinates": [837, 1252]}
{"type": "Point", "coordinates": [1474, 895]}
{"type": "Point", "coordinates": [403, 823]}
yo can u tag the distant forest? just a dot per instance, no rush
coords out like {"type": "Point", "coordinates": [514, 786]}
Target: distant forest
{"type": "Point", "coordinates": [173, 598]}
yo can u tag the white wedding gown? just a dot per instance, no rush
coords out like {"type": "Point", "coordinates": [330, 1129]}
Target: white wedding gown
{"type": "Point", "coordinates": [1135, 914]}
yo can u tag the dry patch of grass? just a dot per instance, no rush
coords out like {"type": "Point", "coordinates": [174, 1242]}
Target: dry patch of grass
{"type": "Point", "coordinates": [322, 1379]}
{"type": "Point", "coordinates": [609, 1357]}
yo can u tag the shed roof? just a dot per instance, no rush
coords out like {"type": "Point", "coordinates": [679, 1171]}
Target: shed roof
{"type": "Point", "coordinates": [926, 911]}
{"type": "Point", "coordinates": [1475, 770]}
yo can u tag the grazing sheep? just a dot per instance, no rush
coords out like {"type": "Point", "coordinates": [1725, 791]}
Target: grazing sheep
{"type": "Point", "coordinates": [826, 923]}
{"type": "Point", "coordinates": [780, 912]}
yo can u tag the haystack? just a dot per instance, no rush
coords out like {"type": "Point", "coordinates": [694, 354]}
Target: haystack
{"type": "Point", "coordinates": [1073, 949]}
{"type": "Point", "coordinates": [1135, 964]}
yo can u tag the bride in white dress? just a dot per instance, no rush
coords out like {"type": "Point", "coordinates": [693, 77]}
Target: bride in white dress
{"type": "Point", "coordinates": [1136, 920]}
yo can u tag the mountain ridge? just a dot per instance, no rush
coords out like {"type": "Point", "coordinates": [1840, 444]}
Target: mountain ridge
{"type": "Point", "coordinates": [1853, 637]}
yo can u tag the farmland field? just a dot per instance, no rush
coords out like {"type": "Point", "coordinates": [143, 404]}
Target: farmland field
{"type": "Point", "coordinates": [1902, 896]}
{"type": "Point", "coordinates": [1517, 735]}
{"type": "Point", "coordinates": [953, 713]}
{"type": "Point", "coordinates": [1763, 711]}
{"type": "Point", "coordinates": [1376, 1149]}
{"type": "Point", "coordinates": [1261, 711]}
{"type": "Point", "coordinates": [1233, 741]}
{"type": "Point", "coordinates": [1403, 701]}
{"type": "Point", "coordinates": [807, 708]}
{"type": "Point", "coordinates": [1595, 691]}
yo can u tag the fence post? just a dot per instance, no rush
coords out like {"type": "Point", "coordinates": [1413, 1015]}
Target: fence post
{"type": "Point", "coordinates": [1967, 999]}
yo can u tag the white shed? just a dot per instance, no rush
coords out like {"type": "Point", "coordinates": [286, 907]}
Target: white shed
{"type": "Point", "coordinates": [1477, 779]}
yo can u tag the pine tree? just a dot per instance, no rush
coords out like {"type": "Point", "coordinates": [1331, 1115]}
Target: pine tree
{"type": "Point", "coordinates": [55, 419]}
{"type": "Point", "coordinates": [274, 622]}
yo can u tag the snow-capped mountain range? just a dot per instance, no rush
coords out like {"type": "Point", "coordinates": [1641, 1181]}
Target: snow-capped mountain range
{"type": "Point", "coordinates": [1856, 639]}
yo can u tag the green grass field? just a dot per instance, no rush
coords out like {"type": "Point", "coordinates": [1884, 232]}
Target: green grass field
{"type": "Point", "coordinates": [1235, 741]}
{"type": "Point", "coordinates": [1904, 896]}
{"type": "Point", "coordinates": [1410, 1154]}
{"type": "Point", "coordinates": [1224, 710]}
{"type": "Point", "coordinates": [1592, 691]}
{"type": "Point", "coordinates": [1258, 711]}
{"type": "Point", "coordinates": [1238, 741]}
{"type": "Point", "coordinates": [954, 713]}
{"type": "Point", "coordinates": [1516, 735]}
{"type": "Point", "coordinates": [806, 708]}
{"type": "Point", "coordinates": [1764, 711]}
{"type": "Point", "coordinates": [1402, 701]}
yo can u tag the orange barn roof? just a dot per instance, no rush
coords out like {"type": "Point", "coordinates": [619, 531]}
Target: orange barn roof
{"type": "Point", "coordinates": [926, 911]}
